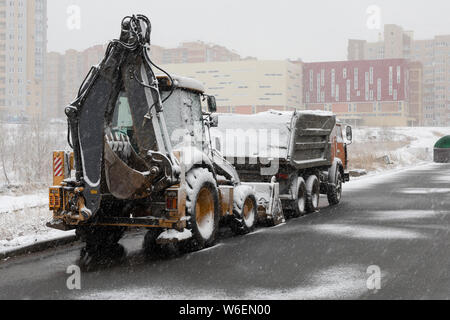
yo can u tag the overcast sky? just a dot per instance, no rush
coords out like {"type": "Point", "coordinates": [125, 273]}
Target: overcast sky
{"type": "Point", "coordinates": [314, 30]}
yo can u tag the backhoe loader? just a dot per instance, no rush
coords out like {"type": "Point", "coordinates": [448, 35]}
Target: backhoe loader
{"type": "Point", "coordinates": [142, 157]}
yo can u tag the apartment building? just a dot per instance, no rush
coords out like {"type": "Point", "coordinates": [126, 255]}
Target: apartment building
{"type": "Point", "coordinates": [23, 45]}
{"type": "Point", "coordinates": [433, 54]}
{"type": "Point", "coordinates": [249, 86]}
{"type": "Point", "coordinates": [193, 52]}
{"type": "Point", "coordinates": [65, 72]}
{"type": "Point", "coordinates": [365, 92]}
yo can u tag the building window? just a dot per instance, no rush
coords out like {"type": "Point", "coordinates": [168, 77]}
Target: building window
{"type": "Point", "coordinates": [349, 84]}
{"type": "Point", "coordinates": [337, 92]}
{"type": "Point", "coordinates": [367, 86]}
{"type": "Point", "coordinates": [391, 81]}
{"type": "Point", "coordinates": [371, 75]}
{"type": "Point", "coordinates": [356, 78]}
{"type": "Point", "coordinates": [344, 73]}
{"type": "Point", "coordinates": [318, 87]}
{"type": "Point", "coordinates": [399, 74]}
{"type": "Point", "coordinates": [311, 80]}
{"type": "Point", "coordinates": [333, 82]}
{"type": "Point", "coordinates": [322, 77]}
{"type": "Point", "coordinates": [379, 90]}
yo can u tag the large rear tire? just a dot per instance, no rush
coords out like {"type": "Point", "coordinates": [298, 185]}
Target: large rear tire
{"type": "Point", "coordinates": [245, 210]}
{"type": "Point", "coordinates": [202, 206]}
{"type": "Point", "coordinates": [313, 194]}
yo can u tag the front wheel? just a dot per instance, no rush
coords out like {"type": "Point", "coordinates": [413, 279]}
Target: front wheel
{"type": "Point", "coordinates": [244, 211]}
{"type": "Point", "coordinates": [335, 191]}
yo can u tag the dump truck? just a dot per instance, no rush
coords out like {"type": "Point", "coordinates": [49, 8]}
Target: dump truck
{"type": "Point", "coordinates": [142, 157]}
{"type": "Point", "coordinates": [305, 151]}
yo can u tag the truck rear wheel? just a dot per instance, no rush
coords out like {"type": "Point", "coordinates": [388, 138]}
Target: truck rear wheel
{"type": "Point", "coordinates": [299, 205]}
{"type": "Point", "coordinates": [202, 206]}
{"type": "Point", "coordinates": [244, 211]}
{"type": "Point", "coordinates": [335, 191]}
{"type": "Point", "coordinates": [313, 194]}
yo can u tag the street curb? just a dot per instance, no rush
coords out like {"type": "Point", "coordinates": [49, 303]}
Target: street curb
{"type": "Point", "coordinates": [38, 247]}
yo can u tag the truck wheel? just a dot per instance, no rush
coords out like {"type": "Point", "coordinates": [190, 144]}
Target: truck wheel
{"type": "Point", "coordinates": [299, 205]}
{"type": "Point", "coordinates": [335, 192]}
{"type": "Point", "coordinates": [313, 194]}
{"type": "Point", "coordinates": [244, 211]}
{"type": "Point", "coordinates": [202, 206]}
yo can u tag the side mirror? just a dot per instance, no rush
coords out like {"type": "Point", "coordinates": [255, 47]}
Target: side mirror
{"type": "Point", "coordinates": [349, 132]}
{"type": "Point", "coordinates": [214, 121]}
{"type": "Point", "coordinates": [212, 104]}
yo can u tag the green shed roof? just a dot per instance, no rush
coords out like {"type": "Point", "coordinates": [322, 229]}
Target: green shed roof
{"type": "Point", "coordinates": [443, 143]}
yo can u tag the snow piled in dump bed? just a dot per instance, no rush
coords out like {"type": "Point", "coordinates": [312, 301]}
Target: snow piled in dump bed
{"type": "Point", "coordinates": [261, 135]}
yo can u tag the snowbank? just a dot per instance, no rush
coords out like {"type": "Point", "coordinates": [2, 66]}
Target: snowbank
{"type": "Point", "coordinates": [379, 149]}
{"type": "Point", "coordinates": [27, 226]}
{"type": "Point", "coordinates": [10, 203]}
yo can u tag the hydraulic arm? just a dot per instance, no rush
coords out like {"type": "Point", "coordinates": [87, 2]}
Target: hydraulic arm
{"type": "Point", "coordinates": [126, 71]}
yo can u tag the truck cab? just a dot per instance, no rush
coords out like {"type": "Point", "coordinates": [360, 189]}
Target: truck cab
{"type": "Point", "coordinates": [339, 147]}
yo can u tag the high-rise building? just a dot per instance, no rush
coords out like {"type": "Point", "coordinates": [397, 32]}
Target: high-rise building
{"type": "Point", "coordinates": [54, 81]}
{"type": "Point", "coordinates": [23, 46]}
{"type": "Point", "coordinates": [395, 44]}
{"type": "Point", "coordinates": [367, 93]}
{"type": "Point", "coordinates": [433, 54]}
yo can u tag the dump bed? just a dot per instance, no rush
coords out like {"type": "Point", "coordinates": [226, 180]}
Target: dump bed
{"type": "Point", "coordinates": [300, 139]}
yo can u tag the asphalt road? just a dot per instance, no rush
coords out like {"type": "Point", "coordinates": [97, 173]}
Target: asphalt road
{"type": "Point", "coordinates": [397, 223]}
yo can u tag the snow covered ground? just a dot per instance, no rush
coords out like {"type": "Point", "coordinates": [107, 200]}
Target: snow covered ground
{"type": "Point", "coordinates": [380, 149]}
{"type": "Point", "coordinates": [23, 221]}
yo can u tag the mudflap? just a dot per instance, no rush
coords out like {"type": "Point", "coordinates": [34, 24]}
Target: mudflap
{"type": "Point", "coordinates": [277, 216]}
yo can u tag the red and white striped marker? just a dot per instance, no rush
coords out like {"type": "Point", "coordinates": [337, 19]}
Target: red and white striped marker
{"type": "Point", "coordinates": [58, 167]}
